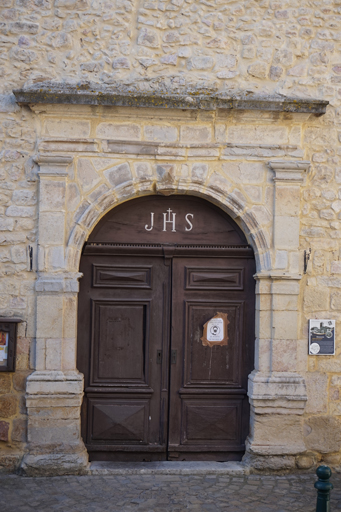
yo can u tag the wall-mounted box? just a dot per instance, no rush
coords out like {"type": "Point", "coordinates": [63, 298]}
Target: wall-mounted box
{"type": "Point", "coordinates": [8, 343]}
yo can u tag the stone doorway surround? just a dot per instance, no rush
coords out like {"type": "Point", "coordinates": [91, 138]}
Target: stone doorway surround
{"type": "Point", "coordinates": [91, 158]}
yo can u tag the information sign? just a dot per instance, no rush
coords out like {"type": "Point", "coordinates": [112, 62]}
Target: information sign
{"type": "Point", "coordinates": [321, 337]}
{"type": "Point", "coordinates": [215, 331]}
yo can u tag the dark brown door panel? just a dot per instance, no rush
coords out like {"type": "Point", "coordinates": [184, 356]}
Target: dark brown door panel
{"type": "Point", "coordinates": [201, 278]}
{"type": "Point", "coordinates": [119, 421]}
{"type": "Point", "coordinates": [219, 365]}
{"type": "Point", "coordinates": [175, 219]}
{"type": "Point", "coordinates": [120, 342]}
{"type": "Point", "coordinates": [109, 276]}
{"type": "Point", "coordinates": [211, 421]}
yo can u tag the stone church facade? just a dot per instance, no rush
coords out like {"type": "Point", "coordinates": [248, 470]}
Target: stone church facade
{"type": "Point", "coordinates": [237, 103]}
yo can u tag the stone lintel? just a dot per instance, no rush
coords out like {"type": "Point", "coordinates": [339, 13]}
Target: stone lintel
{"type": "Point", "coordinates": [95, 94]}
{"type": "Point", "coordinates": [58, 283]}
{"type": "Point", "coordinates": [166, 150]}
{"type": "Point", "coordinates": [289, 171]}
{"type": "Point", "coordinates": [53, 165]}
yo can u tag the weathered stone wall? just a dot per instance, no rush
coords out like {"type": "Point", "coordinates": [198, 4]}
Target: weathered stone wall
{"type": "Point", "coordinates": [214, 46]}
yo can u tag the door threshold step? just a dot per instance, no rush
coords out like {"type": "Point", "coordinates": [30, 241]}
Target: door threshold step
{"type": "Point", "coordinates": [168, 468]}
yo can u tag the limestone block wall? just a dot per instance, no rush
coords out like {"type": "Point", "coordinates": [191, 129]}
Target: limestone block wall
{"type": "Point", "coordinates": [222, 46]}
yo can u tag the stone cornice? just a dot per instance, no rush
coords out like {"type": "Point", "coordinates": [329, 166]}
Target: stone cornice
{"type": "Point", "coordinates": [300, 165]}
{"type": "Point", "coordinates": [98, 94]}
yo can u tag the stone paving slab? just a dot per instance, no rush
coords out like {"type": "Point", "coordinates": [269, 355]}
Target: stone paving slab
{"type": "Point", "coordinates": [163, 493]}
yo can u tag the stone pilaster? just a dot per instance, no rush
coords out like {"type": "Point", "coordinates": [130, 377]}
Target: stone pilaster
{"type": "Point", "coordinates": [54, 391]}
{"type": "Point", "coordinates": [276, 391]}
{"type": "Point", "coordinates": [288, 178]}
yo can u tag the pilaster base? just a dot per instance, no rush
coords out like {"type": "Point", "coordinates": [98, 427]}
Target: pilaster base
{"type": "Point", "coordinates": [55, 464]}
{"type": "Point", "coordinates": [55, 446]}
{"type": "Point", "coordinates": [270, 463]}
{"type": "Point", "coordinates": [276, 427]}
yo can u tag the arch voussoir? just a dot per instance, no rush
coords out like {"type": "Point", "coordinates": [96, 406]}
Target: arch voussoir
{"type": "Point", "coordinates": [227, 200]}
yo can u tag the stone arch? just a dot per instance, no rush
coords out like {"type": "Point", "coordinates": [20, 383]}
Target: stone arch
{"type": "Point", "coordinates": [233, 205]}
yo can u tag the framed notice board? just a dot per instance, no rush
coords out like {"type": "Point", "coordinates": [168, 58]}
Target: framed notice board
{"type": "Point", "coordinates": [321, 337]}
{"type": "Point", "coordinates": [8, 343]}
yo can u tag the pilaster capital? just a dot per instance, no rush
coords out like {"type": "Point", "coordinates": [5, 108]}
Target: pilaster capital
{"type": "Point", "coordinates": [66, 282]}
{"type": "Point", "coordinates": [278, 275]}
{"type": "Point", "coordinates": [289, 171]}
{"type": "Point", "coordinates": [53, 165]}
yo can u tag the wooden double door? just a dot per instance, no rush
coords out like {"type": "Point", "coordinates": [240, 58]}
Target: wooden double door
{"type": "Point", "coordinates": [154, 388]}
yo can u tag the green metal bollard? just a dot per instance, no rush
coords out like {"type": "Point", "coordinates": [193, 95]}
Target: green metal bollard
{"type": "Point", "coordinates": [323, 487]}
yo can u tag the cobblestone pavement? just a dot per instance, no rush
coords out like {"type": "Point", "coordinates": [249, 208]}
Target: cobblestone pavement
{"type": "Point", "coordinates": [163, 493]}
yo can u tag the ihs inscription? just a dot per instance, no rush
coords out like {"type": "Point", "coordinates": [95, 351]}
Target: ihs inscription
{"type": "Point", "coordinates": [169, 221]}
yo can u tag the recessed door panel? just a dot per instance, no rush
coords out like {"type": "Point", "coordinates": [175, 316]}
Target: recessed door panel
{"type": "Point", "coordinates": [220, 364]}
{"type": "Point", "coordinates": [214, 278]}
{"type": "Point", "coordinates": [120, 341]}
{"type": "Point", "coordinates": [118, 421]}
{"type": "Point", "coordinates": [109, 276]}
{"type": "Point", "coordinates": [211, 421]}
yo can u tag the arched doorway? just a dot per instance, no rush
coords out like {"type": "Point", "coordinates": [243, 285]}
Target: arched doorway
{"type": "Point", "coordinates": [158, 383]}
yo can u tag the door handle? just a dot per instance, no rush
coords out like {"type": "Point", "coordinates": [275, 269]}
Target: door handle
{"type": "Point", "coordinates": [173, 356]}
